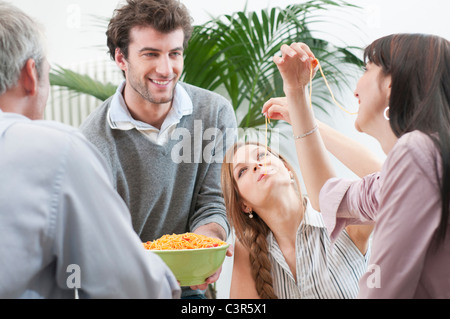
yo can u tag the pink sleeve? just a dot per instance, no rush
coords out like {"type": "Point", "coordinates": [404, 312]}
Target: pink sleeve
{"type": "Point", "coordinates": [404, 200]}
{"type": "Point", "coordinates": [408, 217]}
{"type": "Point", "coordinates": [345, 202]}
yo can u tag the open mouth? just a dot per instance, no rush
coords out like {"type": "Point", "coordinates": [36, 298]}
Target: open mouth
{"type": "Point", "coordinates": [265, 172]}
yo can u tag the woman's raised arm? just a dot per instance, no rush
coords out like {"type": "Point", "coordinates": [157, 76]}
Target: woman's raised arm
{"type": "Point", "coordinates": [295, 68]}
{"type": "Point", "coordinates": [354, 155]}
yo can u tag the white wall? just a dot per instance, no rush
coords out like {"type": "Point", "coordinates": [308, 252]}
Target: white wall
{"type": "Point", "coordinates": [72, 35]}
{"type": "Point", "coordinates": [73, 38]}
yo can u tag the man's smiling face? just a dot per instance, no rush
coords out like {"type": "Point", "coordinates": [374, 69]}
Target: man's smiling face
{"type": "Point", "coordinates": [154, 64]}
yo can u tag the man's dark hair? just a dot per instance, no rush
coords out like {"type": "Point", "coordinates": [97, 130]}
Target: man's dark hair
{"type": "Point", "coordinates": [164, 16]}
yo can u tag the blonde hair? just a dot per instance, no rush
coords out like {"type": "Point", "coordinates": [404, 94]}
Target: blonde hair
{"type": "Point", "coordinates": [251, 232]}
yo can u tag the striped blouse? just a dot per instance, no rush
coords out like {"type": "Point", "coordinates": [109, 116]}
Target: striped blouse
{"type": "Point", "coordinates": [323, 270]}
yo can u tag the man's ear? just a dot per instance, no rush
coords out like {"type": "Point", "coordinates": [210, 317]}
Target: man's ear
{"type": "Point", "coordinates": [120, 60]}
{"type": "Point", "coordinates": [29, 77]}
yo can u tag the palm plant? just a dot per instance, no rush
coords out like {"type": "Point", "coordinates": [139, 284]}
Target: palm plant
{"type": "Point", "coordinates": [81, 83]}
{"type": "Point", "coordinates": [233, 54]}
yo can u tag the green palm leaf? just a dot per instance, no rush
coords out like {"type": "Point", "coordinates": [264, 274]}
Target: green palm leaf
{"type": "Point", "coordinates": [81, 83]}
{"type": "Point", "coordinates": [234, 52]}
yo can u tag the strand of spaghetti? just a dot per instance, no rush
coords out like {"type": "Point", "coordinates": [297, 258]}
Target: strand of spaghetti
{"type": "Point", "coordinates": [329, 89]}
{"type": "Point", "coordinates": [311, 80]}
{"type": "Point", "coordinates": [267, 146]}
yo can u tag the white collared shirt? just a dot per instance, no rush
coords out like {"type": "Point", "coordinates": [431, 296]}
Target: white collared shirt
{"type": "Point", "coordinates": [119, 117]}
{"type": "Point", "coordinates": [322, 270]}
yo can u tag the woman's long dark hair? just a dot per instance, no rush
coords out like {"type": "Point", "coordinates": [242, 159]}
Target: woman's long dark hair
{"type": "Point", "coordinates": [419, 66]}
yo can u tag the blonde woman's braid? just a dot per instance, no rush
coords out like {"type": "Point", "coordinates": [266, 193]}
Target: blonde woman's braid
{"type": "Point", "coordinates": [261, 265]}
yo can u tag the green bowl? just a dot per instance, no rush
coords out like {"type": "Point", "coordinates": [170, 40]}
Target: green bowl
{"type": "Point", "coordinates": [192, 267]}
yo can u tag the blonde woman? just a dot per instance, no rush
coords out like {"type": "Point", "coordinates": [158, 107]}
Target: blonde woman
{"type": "Point", "coordinates": [282, 249]}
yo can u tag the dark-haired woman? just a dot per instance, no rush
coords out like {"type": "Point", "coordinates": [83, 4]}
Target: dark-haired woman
{"type": "Point", "coordinates": [404, 98]}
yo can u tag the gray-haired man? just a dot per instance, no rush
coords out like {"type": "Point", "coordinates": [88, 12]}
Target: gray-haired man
{"type": "Point", "coordinates": [62, 224]}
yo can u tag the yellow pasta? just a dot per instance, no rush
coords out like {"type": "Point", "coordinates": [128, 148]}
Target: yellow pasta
{"type": "Point", "coordinates": [267, 145]}
{"type": "Point", "coordinates": [183, 241]}
{"type": "Point", "coordinates": [313, 66]}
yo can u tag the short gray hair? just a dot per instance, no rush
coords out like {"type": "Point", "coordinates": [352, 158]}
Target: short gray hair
{"type": "Point", "coordinates": [21, 39]}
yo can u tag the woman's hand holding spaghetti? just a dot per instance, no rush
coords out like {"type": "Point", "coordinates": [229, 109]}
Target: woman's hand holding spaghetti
{"type": "Point", "coordinates": [296, 66]}
{"type": "Point", "coordinates": [276, 109]}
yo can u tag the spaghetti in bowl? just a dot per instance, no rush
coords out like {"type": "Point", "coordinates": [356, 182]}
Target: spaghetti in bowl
{"type": "Point", "coordinates": [191, 257]}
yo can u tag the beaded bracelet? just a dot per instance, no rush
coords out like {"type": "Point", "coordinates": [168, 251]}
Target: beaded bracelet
{"type": "Point", "coordinates": [308, 133]}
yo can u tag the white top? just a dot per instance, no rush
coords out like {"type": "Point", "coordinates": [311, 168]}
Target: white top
{"type": "Point", "coordinates": [119, 117]}
{"type": "Point", "coordinates": [323, 270]}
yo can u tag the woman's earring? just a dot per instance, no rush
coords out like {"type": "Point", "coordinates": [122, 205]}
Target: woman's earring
{"type": "Point", "coordinates": [385, 113]}
{"type": "Point", "coordinates": [250, 213]}
{"type": "Point", "coordinates": [292, 177]}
